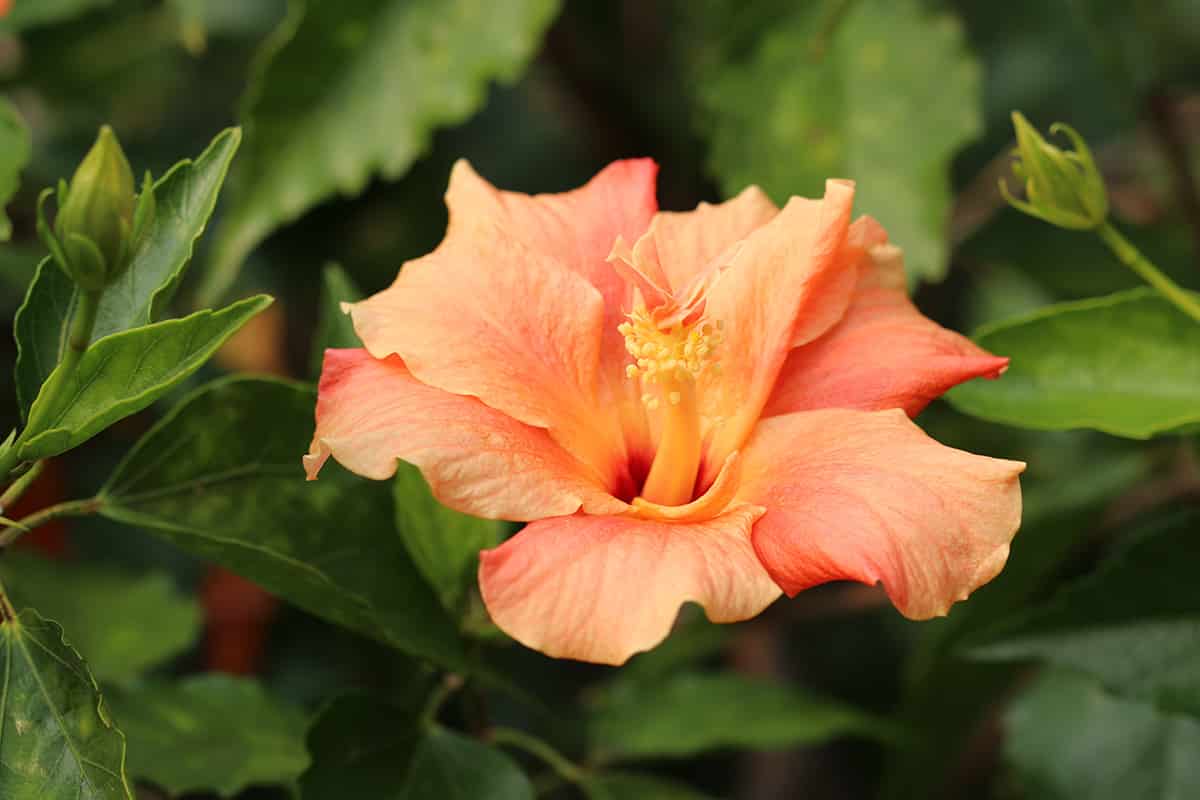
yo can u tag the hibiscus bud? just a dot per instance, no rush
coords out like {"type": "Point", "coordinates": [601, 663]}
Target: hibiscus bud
{"type": "Point", "coordinates": [99, 217]}
{"type": "Point", "coordinates": [1063, 188]}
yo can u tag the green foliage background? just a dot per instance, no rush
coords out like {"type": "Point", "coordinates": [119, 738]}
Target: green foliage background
{"type": "Point", "coordinates": [303, 149]}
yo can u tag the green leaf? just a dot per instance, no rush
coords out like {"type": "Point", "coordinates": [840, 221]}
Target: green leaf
{"type": "Point", "coordinates": [693, 713]}
{"type": "Point", "coordinates": [692, 639]}
{"type": "Point", "coordinates": [15, 149]}
{"type": "Point", "coordinates": [185, 197]}
{"type": "Point", "coordinates": [123, 373]}
{"type": "Point", "coordinates": [214, 733]}
{"type": "Point", "coordinates": [348, 90]}
{"type": "Point", "coordinates": [124, 624]}
{"type": "Point", "coordinates": [443, 543]}
{"type": "Point", "coordinates": [636, 786]}
{"type": "Point", "coordinates": [25, 14]}
{"type": "Point", "coordinates": [449, 766]}
{"type": "Point", "coordinates": [57, 740]}
{"type": "Point", "coordinates": [1134, 624]}
{"type": "Point", "coordinates": [1068, 739]}
{"type": "Point", "coordinates": [1069, 371]}
{"type": "Point", "coordinates": [884, 95]}
{"type": "Point", "coordinates": [220, 477]}
{"type": "Point", "coordinates": [334, 328]}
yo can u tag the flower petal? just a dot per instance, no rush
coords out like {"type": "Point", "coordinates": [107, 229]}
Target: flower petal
{"type": "Point", "coordinates": [867, 496]}
{"type": "Point", "coordinates": [603, 588]}
{"type": "Point", "coordinates": [883, 353]}
{"type": "Point", "coordinates": [477, 460]}
{"type": "Point", "coordinates": [487, 317]}
{"type": "Point", "coordinates": [785, 285]}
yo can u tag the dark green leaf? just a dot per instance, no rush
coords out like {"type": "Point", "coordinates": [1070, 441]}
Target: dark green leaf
{"type": "Point", "coordinates": [41, 331]}
{"type": "Point", "coordinates": [692, 713]}
{"type": "Point", "coordinates": [123, 373]}
{"type": "Point", "coordinates": [1069, 371]}
{"type": "Point", "coordinates": [1067, 739]}
{"type": "Point", "coordinates": [220, 476]}
{"type": "Point", "coordinates": [347, 90]}
{"type": "Point", "coordinates": [124, 624]}
{"type": "Point", "coordinates": [57, 740]}
{"type": "Point", "coordinates": [885, 95]}
{"type": "Point", "coordinates": [450, 766]}
{"type": "Point", "coordinates": [334, 328]}
{"type": "Point", "coordinates": [443, 543]}
{"type": "Point", "coordinates": [213, 733]}
{"type": "Point", "coordinates": [15, 149]}
{"type": "Point", "coordinates": [636, 786]}
{"type": "Point", "coordinates": [692, 639]}
{"type": "Point", "coordinates": [25, 14]}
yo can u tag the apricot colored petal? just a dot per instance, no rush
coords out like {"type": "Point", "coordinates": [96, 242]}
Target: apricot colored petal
{"type": "Point", "coordinates": [371, 412]}
{"type": "Point", "coordinates": [867, 496]}
{"type": "Point", "coordinates": [603, 588]}
{"type": "Point", "coordinates": [487, 317]}
{"type": "Point", "coordinates": [786, 284]}
{"type": "Point", "coordinates": [882, 354]}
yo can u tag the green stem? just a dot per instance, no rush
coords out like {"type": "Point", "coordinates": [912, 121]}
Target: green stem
{"type": "Point", "coordinates": [539, 749]}
{"type": "Point", "coordinates": [1131, 257]}
{"type": "Point", "coordinates": [20, 485]}
{"type": "Point", "coordinates": [71, 508]}
{"type": "Point", "coordinates": [450, 684]}
{"type": "Point", "coordinates": [48, 399]}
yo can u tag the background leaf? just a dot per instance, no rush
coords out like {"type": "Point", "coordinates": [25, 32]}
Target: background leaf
{"type": "Point", "coordinates": [57, 740]}
{"type": "Point", "coordinates": [25, 15]}
{"type": "Point", "coordinates": [368, 81]}
{"type": "Point", "coordinates": [15, 149]}
{"type": "Point", "coordinates": [636, 786]}
{"type": "Point", "coordinates": [451, 766]}
{"type": "Point", "coordinates": [210, 733]}
{"type": "Point", "coordinates": [334, 327]}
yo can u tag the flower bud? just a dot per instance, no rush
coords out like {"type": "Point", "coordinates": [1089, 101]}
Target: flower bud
{"type": "Point", "coordinates": [1063, 188]}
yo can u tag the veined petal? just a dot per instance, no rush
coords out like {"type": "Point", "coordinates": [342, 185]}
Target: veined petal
{"type": "Point", "coordinates": [371, 412]}
{"type": "Point", "coordinates": [785, 285]}
{"type": "Point", "coordinates": [603, 588]}
{"type": "Point", "coordinates": [485, 316]}
{"type": "Point", "coordinates": [867, 496]}
{"type": "Point", "coordinates": [884, 353]}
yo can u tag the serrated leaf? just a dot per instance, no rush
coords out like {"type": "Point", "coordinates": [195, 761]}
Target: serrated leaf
{"type": "Point", "coordinates": [1134, 624]}
{"type": "Point", "coordinates": [637, 786]}
{"type": "Point", "coordinates": [1068, 370]}
{"type": "Point", "coordinates": [450, 766]}
{"type": "Point", "coordinates": [443, 543]}
{"type": "Point", "coordinates": [885, 96]}
{"type": "Point", "coordinates": [1068, 739]}
{"type": "Point", "coordinates": [26, 14]}
{"type": "Point", "coordinates": [694, 713]}
{"type": "Point", "coordinates": [57, 740]}
{"type": "Point", "coordinates": [122, 623]}
{"type": "Point", "coordinates": [123, 373]}
{"type": "Point", "coordinates": [215, 733]}
{"type": "Point", "coordinates": [220, 477]}
{"type": "Point", "coordinates": [349, 90]}
{"type": "Point", "coordinates": [334, 327]}
{"type": "Point", "coordinates": [15, 149]}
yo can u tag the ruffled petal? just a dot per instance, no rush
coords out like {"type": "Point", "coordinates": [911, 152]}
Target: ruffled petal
{"type": "Point", "coordinates": [867, 496]}
{"type": "Point", "coordinates": [371, 412]}
{"type": "Point", "coordinates": [785, 285]}
{"type": "Point", "coordinates": [603, 588]}
{"type": "Point", "coordinates": [883, 353]}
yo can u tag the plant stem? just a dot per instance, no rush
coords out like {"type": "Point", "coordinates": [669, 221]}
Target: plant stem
{"type": "Point", "coordinates": [1131, 257]}
{"type": "Point", "coordinates": [71, 508]}
{"type": "Point", "coordinates": [20, 485]}
{"type": "Point", "coordinates": [450, 684]}
{"type": "Point", "coordinates": [48, 399]}
{"type": "Point", "coordinates": [539, 749]}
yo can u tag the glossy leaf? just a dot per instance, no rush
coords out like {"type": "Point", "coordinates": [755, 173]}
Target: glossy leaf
{"type": "Point", "coordinates": [1069, 371]}
{"type": "Point", "coordinates": [215, 733]}
{"type": "Point", "coordinates": [1069, 739]}
{"type": "Point", "coordinates": [334, 328]}
{"type": "Point", "coordinates": [57, 739]}
{"type": "Point", "coordinates": [123, 373]}
{"type": "Point", "coordinates": [350, 90]}
{"type": "Point", "coordinates": [15, 148]}
{"type": "Point", "coordinates": [637, 786]}
{"type": "Point", "coordinates": [220, 477]}
{"type": "Point", "coordinates": [693, 713]}
{"type": "Point", "coordinates": [443, 543]}
{"type": "Point", "coordinates": [450, 766]}
{"type": "Point", "coordinates": [40, 329]}
{"type": "Point", "coordinates": [884, 95]}
{"type": "Point", "coordinates": [122, 623]}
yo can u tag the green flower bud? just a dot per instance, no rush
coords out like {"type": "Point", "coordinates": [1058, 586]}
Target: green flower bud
{"type": "Point", "coordinates": [1063, 188]}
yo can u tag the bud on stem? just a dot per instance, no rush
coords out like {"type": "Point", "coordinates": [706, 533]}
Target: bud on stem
{"type": "Point", "coordinates": [1062, 187]}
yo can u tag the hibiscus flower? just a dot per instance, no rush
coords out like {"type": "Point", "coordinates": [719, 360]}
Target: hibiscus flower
{"type": "Point", "coordinates": [709, 406]}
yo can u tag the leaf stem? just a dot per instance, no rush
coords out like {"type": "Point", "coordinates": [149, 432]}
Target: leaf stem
{"type": "Point", "coordinates": [562, 765]}
{"type": "Point", "coordinates": [1131, 257]}
{"type": "Point", "coordinates": [450, 684]}
{"type": "Point", "coordinates": [20, 486]}
{"type": "Point", "coordinates": [71, 508]}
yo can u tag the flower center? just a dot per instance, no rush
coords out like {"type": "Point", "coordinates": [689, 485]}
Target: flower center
{"type": "Point", "coordinates": [669, 362]}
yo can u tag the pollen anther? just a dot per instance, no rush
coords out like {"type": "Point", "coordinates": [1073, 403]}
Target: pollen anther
{"type": "Point", "coordinates": [678, 353]}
